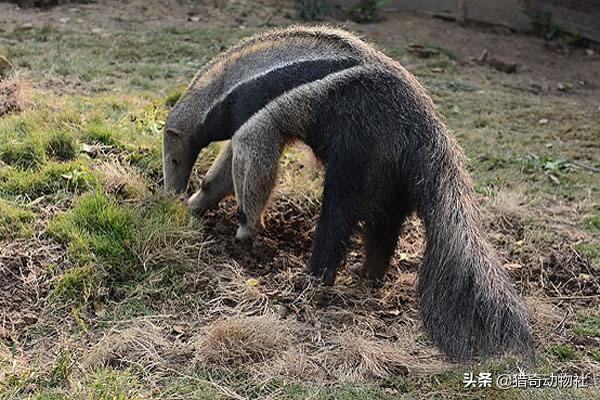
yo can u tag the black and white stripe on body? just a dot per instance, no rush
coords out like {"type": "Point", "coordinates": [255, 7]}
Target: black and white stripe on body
{"type": "Point", "coordinates": [386, 153]}
{"type": "Point", "coordinates": [288, 54]}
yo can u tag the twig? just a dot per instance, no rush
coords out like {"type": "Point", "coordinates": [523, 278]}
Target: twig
{"type": "Point", "coordinates": [561, 298]}
{"type": "Point", "coordinates": [583, 166]}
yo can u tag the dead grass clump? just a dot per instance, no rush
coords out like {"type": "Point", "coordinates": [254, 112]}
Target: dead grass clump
{"type": "Point", "coordinates": [297, 363]}
{"type": "Point", "coordinates": [12, 96]}
{"type": "Point", "coordinates": [122, 180]}
{"type": "Point", "coordinates": [356, 358]}
{"type": "Point", "coordinates": [508, 211]}
{"type": "Point", "coordinates": [236, 341]}
{"type": "Point", "coordinates": [548, 319]}
{"type": "Point", "coordinates": [143, 345]}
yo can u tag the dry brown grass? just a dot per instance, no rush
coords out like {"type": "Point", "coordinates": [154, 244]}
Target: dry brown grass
{"type": "Point", "coordinates": [510, 204]}
{"type": "Point", "coordinates": [122, 180]}
{"type": "Point", "coordinates": [14, 95]}
{"type": "Point", "coordinates": [238, 340]}
{"type": "Point", "coordinates": [140, 344]}
{"type": "Point", "coordinates": [355, 358]}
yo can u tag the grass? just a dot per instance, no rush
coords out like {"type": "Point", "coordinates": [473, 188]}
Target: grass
{"type": "Point", "coordinates": [136, 301]}
{"type": "Point", "coordinates": [22, 155]}
{"type": "Point", "coordinates": [563, 353]}
{"type": "Point", "coordinates": [14, 221]}
{"type": "Point", "coordinates": [97, 228]}
{"type": "Point", "coordinates": [589, 326]}
{"type": "Point", "coordinates": [61, 146]}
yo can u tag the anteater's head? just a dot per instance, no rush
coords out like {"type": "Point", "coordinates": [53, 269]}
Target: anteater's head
{"type": "Point", "coordinates": [183, 139]}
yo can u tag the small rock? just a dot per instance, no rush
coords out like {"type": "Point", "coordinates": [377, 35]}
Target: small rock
{"type": "Point", "coordinates": [64, 20]}
{"type": "Point", "coordinates": [178, 329]}
{"type": "Point", "coordinates": [543, 121]}
{"type": "Point", "coordinates": [194, 18]}
{"type": "Point", "coordinates": [24, 27]}
{"type": "Point", "coordinates": [590, 52]}
{"type": "Point", "coordinates": [564, 87]}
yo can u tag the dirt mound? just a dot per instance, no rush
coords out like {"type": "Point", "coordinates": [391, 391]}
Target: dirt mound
{"type": "Point", "coordinates": [11, 97]}
{"type": "Point", "coordinates": [24, 281]}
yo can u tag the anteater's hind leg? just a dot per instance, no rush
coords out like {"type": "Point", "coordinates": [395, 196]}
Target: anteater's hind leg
{"type": "Point", "coordinates": [217, 184]}
{"type": "Point", "coordinates": [256, 150]}
{"type": "Point", "coordinates": [380, 238]}
{"type": "Point", "coordinates": [342, 206]}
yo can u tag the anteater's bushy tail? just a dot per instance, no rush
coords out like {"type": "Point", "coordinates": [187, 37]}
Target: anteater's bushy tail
{"type": "Point", "coordinates": [466, 300]}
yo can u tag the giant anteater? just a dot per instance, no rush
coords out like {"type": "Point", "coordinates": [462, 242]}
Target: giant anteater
{"type": "Point", "coordinates": [386, 153]}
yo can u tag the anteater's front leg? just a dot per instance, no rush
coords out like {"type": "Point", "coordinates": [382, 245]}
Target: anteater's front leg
{"type": "Point", "coordinates": [217, 184]}
{"type": "Point", "coordinates": [256, 151]}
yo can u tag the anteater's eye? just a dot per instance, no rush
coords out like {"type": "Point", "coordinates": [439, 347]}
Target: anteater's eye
{"type": "Point", "coordinates": [174, 161]}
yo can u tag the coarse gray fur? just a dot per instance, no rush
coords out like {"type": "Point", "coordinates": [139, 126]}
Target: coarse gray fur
{"type": "Point", "coordinates": [386, 153]}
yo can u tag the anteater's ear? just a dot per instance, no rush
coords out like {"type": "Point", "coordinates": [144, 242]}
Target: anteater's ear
{"type": "Point", "coordinates": [174, 133]}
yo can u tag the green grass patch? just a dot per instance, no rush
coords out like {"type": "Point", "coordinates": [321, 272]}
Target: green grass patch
{"type": "Point", "coordinates": [97, 132]}
{"type": "Point", "coordinates": [563, 352]}
{"type": "Point", "coordinates": [76, 286]}
{"type": "Point", "coordinates": [61, 146]}
{"type": "Point", "coordinates": [594, 355]}
{"type": "Point", "coordinates": [119, 244]}
{"type": "Point", "coordinates": [592, 250]}
{"type": "Point", "coordinates": [61, 384]}
{"type": "Point", "coordinates": [173, 95]}
{"type": "Point", "coordinates": [98, 229]}
{"type": "Point", "coordinates": [27, 154]}
{"type": "Point", "coordinates": [589, 326]}
{"type": "Point", "coordinates": [72, 177]}
{"type": "Point", "coordinates": [15, 221]}
{"type": "Point", "coordinates": [592, 223]}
